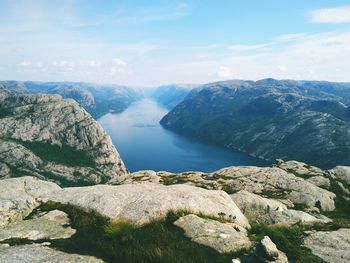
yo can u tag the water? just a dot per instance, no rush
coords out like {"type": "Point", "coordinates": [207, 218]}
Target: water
{"type": "Point", "coordinates": [144, 144]}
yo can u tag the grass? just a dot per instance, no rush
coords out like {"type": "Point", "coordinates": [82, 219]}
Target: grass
{"type": "Point", "coordinates": [64, 154]}
{"type": "Point", "coordinates": [341, 214]}
{"type": "Point", "coordinates": [288, 239]}
{"type": "Point", "coordinates": [121, 241]}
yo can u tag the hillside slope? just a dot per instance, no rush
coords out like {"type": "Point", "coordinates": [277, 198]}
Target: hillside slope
{"type": "Point", "coordinates": [300, 120]}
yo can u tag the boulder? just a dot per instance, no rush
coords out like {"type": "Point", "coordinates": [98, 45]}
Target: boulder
{"type": "Point", "coordinates": [277, 183]}
{"type": "Point", "coordinates": [52, 225]}
{"type": "Point", "coordinates": [332, 246]}
{"type": "Point", "coordinates": [223, 237]}
{"type": "Point", "coordinates": [271, 182]}
{"type": "Point", "coordinates": [299, 168]}
{"type": "Point", "coordinates": [18, 197]}
{"type": "Point", "coordinates": [269, 211]}
{"type": "Point", "coordinates": [38, 253]}
{"type": "Point", "coordinates": [341, 173]}
{"type": "Point", "coordinates": [267, 252]}
{"type": "Point", "coordinates": [143, 203]}
{"type": "Point", "coordinates": [320, 180]}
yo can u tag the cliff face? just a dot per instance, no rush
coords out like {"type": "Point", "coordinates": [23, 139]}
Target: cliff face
{"type": "Point", "coordinates": [49, 137]}
{"type": "Point", "coordinates": [300, 120]}
{"type": "Point", "coordinates": [96, 99]}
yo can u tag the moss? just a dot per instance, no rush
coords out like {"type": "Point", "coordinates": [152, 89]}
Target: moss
{"type": "Point", "coordinates": [121, 241]}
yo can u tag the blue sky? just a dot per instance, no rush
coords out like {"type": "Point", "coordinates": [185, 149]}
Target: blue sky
{"type": "Point", "coordinates": [147, 43]}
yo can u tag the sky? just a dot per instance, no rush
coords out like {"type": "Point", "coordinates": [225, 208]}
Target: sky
{"type": "Point", "coordinates": [149, 43]}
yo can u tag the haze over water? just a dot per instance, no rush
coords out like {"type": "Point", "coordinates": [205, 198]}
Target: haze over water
{"type": "Point", "coordinates": [144, 144]}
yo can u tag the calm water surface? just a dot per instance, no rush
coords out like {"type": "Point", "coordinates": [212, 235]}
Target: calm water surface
{"type": "Point", "coordinates": [144, 144]}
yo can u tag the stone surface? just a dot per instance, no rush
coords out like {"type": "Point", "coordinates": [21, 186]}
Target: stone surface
{"type": "Point", "coordinates": [223, 237]}
{"type": "Point", "coordinates": [299, 168]}
{"type": "Point", "coordinates": [332, 247]}
{"type": "Point", "coordinates": [38, 253]}
{"type": "Point", "coordinates": [342, 173]}
{"type": "Point", "coordinates": [269, 248]}
{"type": "Point", "coordinates": [142, 203]}
{"type": "Point", "coordinates": [18, 197]}
{"type": "Point", "coordinates": [269, 211]}
{"type": "Point", "coordinates": [268, 181]}
{"type": "Point", "coordinates": [53, 225]}
{"type": "Point", "coordinates": [320, 181]}
{"type": "Point", "coordinates": [50, 119]}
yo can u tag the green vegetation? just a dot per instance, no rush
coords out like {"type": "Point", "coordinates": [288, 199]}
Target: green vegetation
{"type": "Point", "coordinates": [64, 154]}
{"type": "Point", "coordinates": [121, 241]}
{"type": "Point", "coordinates": [5, 112]}
{"type": "Point", "coordinates": [341, 214]}
{"type": "Point", "coordinates": [287, 239]}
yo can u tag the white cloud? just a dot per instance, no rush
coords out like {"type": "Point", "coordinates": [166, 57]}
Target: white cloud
{"type": "Point", "coordinates": [119, 62]}
{"type": "Point", "coordinates": [333, 15]}
{"type": "Point", "coordinates": [93, 64]}
{"type": "Point", "coordinates": [283, 68]}
{"type": "Point", "coordinates": [241, 48]}
{"type": "Point", "coordinates": [224, 72]}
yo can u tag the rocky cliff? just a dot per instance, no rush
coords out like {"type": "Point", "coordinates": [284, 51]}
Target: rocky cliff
{"type": "Point", "coordinates": [307, 121]}
{"type": "Point", "coordinates": [96, 99]}
{"type": "Point", "coordinates": [46, 136]}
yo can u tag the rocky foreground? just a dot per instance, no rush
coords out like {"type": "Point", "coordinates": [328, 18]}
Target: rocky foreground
{"type": "Point", "coordinates": [66, 196]}
{"type": "Point", "coordinates": [221, 210]}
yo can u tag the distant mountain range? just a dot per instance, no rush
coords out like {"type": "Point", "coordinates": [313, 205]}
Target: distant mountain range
{"type": "Point", "coordinates": [301, 120]}
{"type": "Point", "coordinates": [96, 99]}
{"type": "Point", "coordinates": [171, 95]}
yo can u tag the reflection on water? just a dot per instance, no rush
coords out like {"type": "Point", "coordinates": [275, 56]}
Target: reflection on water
{"type": "Point", "coordinates": [144, 144]}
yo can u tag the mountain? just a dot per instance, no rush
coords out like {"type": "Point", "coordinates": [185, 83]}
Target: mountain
{"type": "Point", "coordinates": [51, 138]}
{"type": "Point", "coordinates": [171, 95]}
{"type": "Point", "coordinates": [96, 99]}
{"type": "Point", "coordinates": [52, 153]}
{"type": "Point", "coordinates": [300, 120]}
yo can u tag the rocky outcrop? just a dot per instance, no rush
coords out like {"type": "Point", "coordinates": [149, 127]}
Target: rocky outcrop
{"type": "Point", "coordinates": [270, 182]}
{"type": "Point", "coordinates": [38, 253]}
{"type": "Point", "coordinates": [46, 136]}
{"type": "Point", "coordinates": [52, 225]}
{"type": "Point", "coordinates": [332, 247]}
{"type": "Point", "coordinates": [223, 237]}
{"type": "Point", "coordinates": [341, 173]}
{"type": "Point", "coordinates": [267, 252]}
{"type": "Point", "coordinates": [19, 196]}
{"type": "Point", "coordinates": [270, 211]}
{"type": "Point", "coordinates": [143, 203]}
